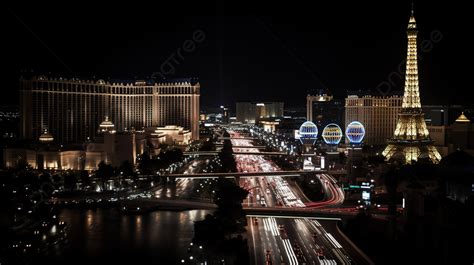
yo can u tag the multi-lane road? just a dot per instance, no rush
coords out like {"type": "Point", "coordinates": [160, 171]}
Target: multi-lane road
{"type": "Point", "coordinates": [334, 195]}
{"type": "Point", "coordinates": [290, 240]}
{"type": "Point", "coordinates": [294, 241]}
{"type": "Point", "coordinates": [264, 191]}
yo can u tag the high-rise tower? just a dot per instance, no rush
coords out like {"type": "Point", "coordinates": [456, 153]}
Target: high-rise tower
{"type": "Point", "coordinates": [411, 140]}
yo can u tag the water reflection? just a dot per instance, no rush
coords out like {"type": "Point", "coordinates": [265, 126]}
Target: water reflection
{"type": "Point", "coordinates": [105, 236]}
{"type": "Point", "coordinates": [89, 216]}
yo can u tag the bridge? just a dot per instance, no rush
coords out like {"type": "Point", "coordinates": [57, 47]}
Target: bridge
{"type": "Point", "coordinates": [201, 153]}
{"type": "Point", "coordinates": [237, 138]}
{"type": "Point", "coordinates": [285, 212]}
{"type": "Point", "coordinates": [262, 153]}
{"type": "Point", "coordinates": [214, 153]}
{"type": "Point", "coordinates": [246, 146]}
{"type": "Point", "coordinates": [152, 204]}
{"type": "Point", "coordinates": [287, 173]}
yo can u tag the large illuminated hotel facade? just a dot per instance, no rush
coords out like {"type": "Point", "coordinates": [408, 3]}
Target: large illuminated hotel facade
{"type": "Point", "coordinates": [72, 109]}
{"type": "Point", "coordinates": [377, 113]}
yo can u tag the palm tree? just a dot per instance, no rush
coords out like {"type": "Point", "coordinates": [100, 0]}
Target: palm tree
{"type": "Point", "coordinates": [84, 176]}
{"type": "Point", "coordinates": [104, 172]}
{"type": "Point", "coordinates": [70, 180]}
{"type": "Point", "coordinates": [126, 169]}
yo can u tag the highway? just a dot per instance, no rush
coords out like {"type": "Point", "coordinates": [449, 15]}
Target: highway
{"type": "Point", "coordinates": [264, 191]}
{"type": "Point", "coordinates": [294, 241]}
{"type": "Point", "coordinates": [357, 256]}
{"type": "Point", "coordinates": [289, 240]}
{"type": "Point", "coordinates": [334, 195]}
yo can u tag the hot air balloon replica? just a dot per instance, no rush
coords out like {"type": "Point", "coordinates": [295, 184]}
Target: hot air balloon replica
{"type": "Point", "coordinates": [308, 133]}
{"type": "Point", "coordinates": [355, 132]}
{"type": "Point", "coordinates": [332, 134]}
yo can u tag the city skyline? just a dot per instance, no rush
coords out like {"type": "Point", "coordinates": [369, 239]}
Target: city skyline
{"type": "Point", "coordinates": [336, 48]}
{"type": "Point", "coordinates": [202, 133]}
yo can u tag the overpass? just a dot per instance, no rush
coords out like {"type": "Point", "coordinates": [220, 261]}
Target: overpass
{"type": "Point", "coordinates": [285, 212]}
{"type": "Point", "coordinates": [289, 173]}
{"type": "Point", "coordinates": [245, 146]}
{"type": "Point", "coordinates": [214, 153]}
{"type": "Point", "coordinates": [262, 153]}
{"type": "Point", "coordinates": [151, 204]}
{"type": "Point", "coordinates": [200, 153]}
{"type": "Point", "coordinates": [237, 138]}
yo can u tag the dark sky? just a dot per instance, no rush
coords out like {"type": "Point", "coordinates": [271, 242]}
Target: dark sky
{"type": "Point", "coordinates": [273, 51]}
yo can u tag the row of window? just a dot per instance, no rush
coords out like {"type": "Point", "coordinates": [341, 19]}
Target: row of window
{"type": "Point", "coordinates": [93, 88]}
{"type": "Point", "coordinates": [78, 116]}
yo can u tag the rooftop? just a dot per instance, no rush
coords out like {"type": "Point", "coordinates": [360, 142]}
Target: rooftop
{"type": "Point", "coordinates": [463, 119]}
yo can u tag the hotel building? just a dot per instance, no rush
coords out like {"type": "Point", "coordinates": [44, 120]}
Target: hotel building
{"type": "Point", "coordinates": [322, 109]}
{"type": "Point", "coordinates": [252, 112]}
{"type": "Point", "coordinates": [72, 109]}
{"type": "Point", "coordinates": [378, 115]}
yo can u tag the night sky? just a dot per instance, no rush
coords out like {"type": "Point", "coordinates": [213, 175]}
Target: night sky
{"type": "Point", "coordinates": [270, 52]}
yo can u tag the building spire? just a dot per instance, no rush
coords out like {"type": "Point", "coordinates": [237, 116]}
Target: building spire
{"type": "Point", "coordinates": [411, 97]}
{"type": "Point", "coordinates": [412, 21]}
{"type": "Point", "coordinates": [411, 138]}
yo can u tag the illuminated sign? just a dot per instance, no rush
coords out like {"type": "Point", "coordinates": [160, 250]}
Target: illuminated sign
{"type": "Point", "coordinates": [308, 165]}
{"type": "Point", "coordinates": [297, 134]}
{"type": "Point", "coordinates": [366, 195]}
{"type": "Point", "coordinates": [365, 185]}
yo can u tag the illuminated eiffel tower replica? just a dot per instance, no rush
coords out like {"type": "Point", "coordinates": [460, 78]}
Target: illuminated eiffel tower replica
{"type": "Point", "coordinates": [411, 140]}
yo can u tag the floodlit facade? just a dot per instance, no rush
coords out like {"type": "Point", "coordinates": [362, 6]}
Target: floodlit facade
{"type": "Point", "coordinates": [172, 135]}
{"type": "Point", "coordinates": [72, 109]}
{"type": "Point", "coordinates": [108, 146]}
{"type": "Point", "coordinates": [377, 113]}
{"type": "Point", "coordinates": [269, 126]}
{"type": "Point", "coordinates": [252, 112]}
{"type": "Point", "coordinates": [411, 139]}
